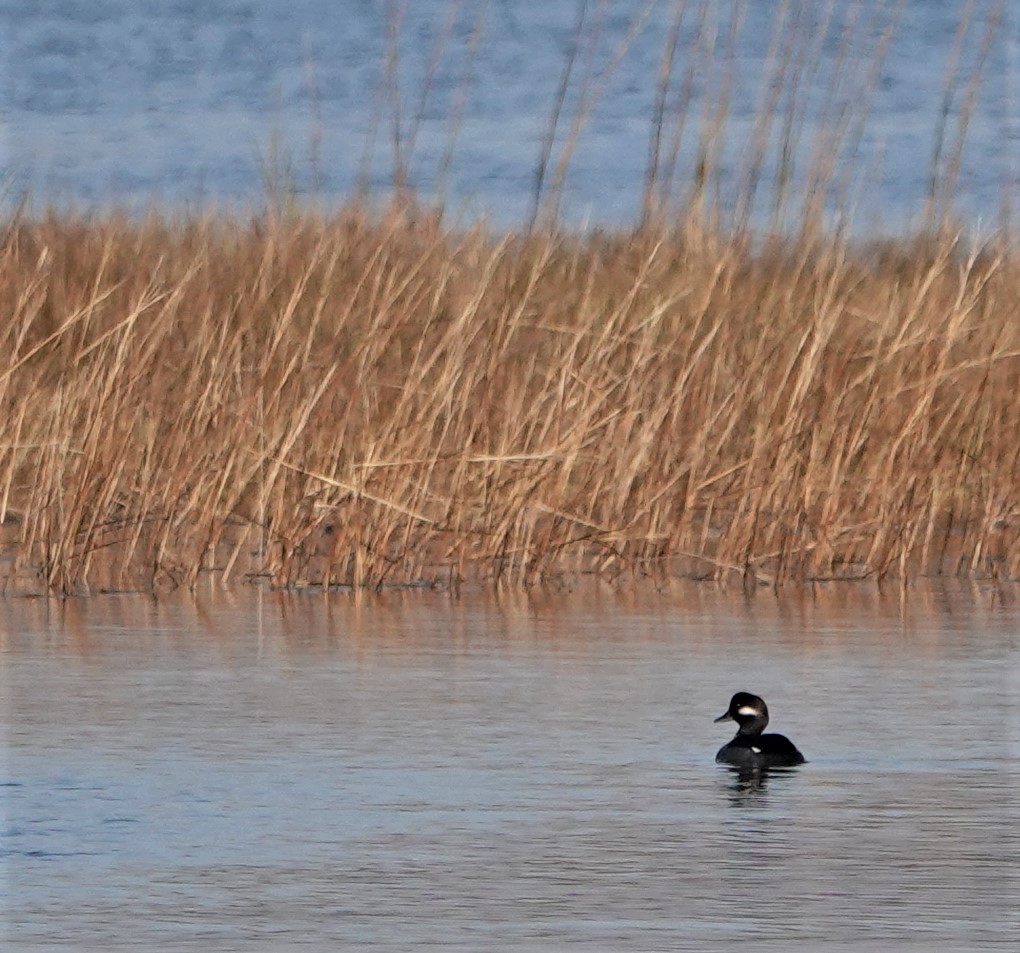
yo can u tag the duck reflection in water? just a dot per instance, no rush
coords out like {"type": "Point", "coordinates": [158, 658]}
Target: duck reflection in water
{"type": "Point", "coordinates": [749, 785]}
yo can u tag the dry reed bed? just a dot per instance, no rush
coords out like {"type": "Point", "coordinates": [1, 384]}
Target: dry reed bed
{"type": "Point", "coordinates": [373, 400]}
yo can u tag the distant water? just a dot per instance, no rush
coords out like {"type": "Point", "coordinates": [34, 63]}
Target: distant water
{"type": "Point", "coordinates": [192, 103]}
{"type": "Point", "coordinates": [263, 772]}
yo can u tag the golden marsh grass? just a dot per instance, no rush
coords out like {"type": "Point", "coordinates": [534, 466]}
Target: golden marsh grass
{"type": "Point", "coordinates": [375, 397]}
{"type": "Point", "coordinates": [368, 399]}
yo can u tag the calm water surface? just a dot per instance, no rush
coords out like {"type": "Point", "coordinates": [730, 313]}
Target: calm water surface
{"type": "Point", "coordinates": [181, 101]}
{"type": "Point", "coordinates": [269, 772]}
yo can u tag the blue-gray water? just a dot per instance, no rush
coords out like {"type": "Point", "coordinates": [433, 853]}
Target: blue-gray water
{"type": "Point", "coordinates": [192, 103]}
{"type": "Point", "coordinates": [273, 772]}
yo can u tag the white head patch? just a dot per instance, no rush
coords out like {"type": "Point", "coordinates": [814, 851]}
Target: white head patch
{"type": "Point", "coordinates": [755, 750]}
{"type": "Point", "coordinates": [748, 710]}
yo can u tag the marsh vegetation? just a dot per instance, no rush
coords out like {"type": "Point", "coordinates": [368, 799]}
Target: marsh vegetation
{"type": "Point", "coordinates": [374, 395]}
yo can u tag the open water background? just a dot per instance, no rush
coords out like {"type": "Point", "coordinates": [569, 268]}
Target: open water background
{"type": "Point", "coordinates": [187, 103]}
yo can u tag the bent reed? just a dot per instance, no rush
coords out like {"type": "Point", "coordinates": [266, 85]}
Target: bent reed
{"type": "Point", "coordinates": [368, 399]}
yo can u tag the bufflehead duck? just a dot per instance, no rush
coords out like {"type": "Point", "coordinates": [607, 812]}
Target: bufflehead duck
{"type": "Point", "coordinates": [750, 749]}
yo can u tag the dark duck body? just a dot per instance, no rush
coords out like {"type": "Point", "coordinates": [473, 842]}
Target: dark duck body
{"type": "Point", "coordinates": [750, 749]}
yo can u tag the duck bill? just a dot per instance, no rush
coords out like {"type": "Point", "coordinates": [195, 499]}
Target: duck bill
{"type": "Point", "coordinates": [726, 717]}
